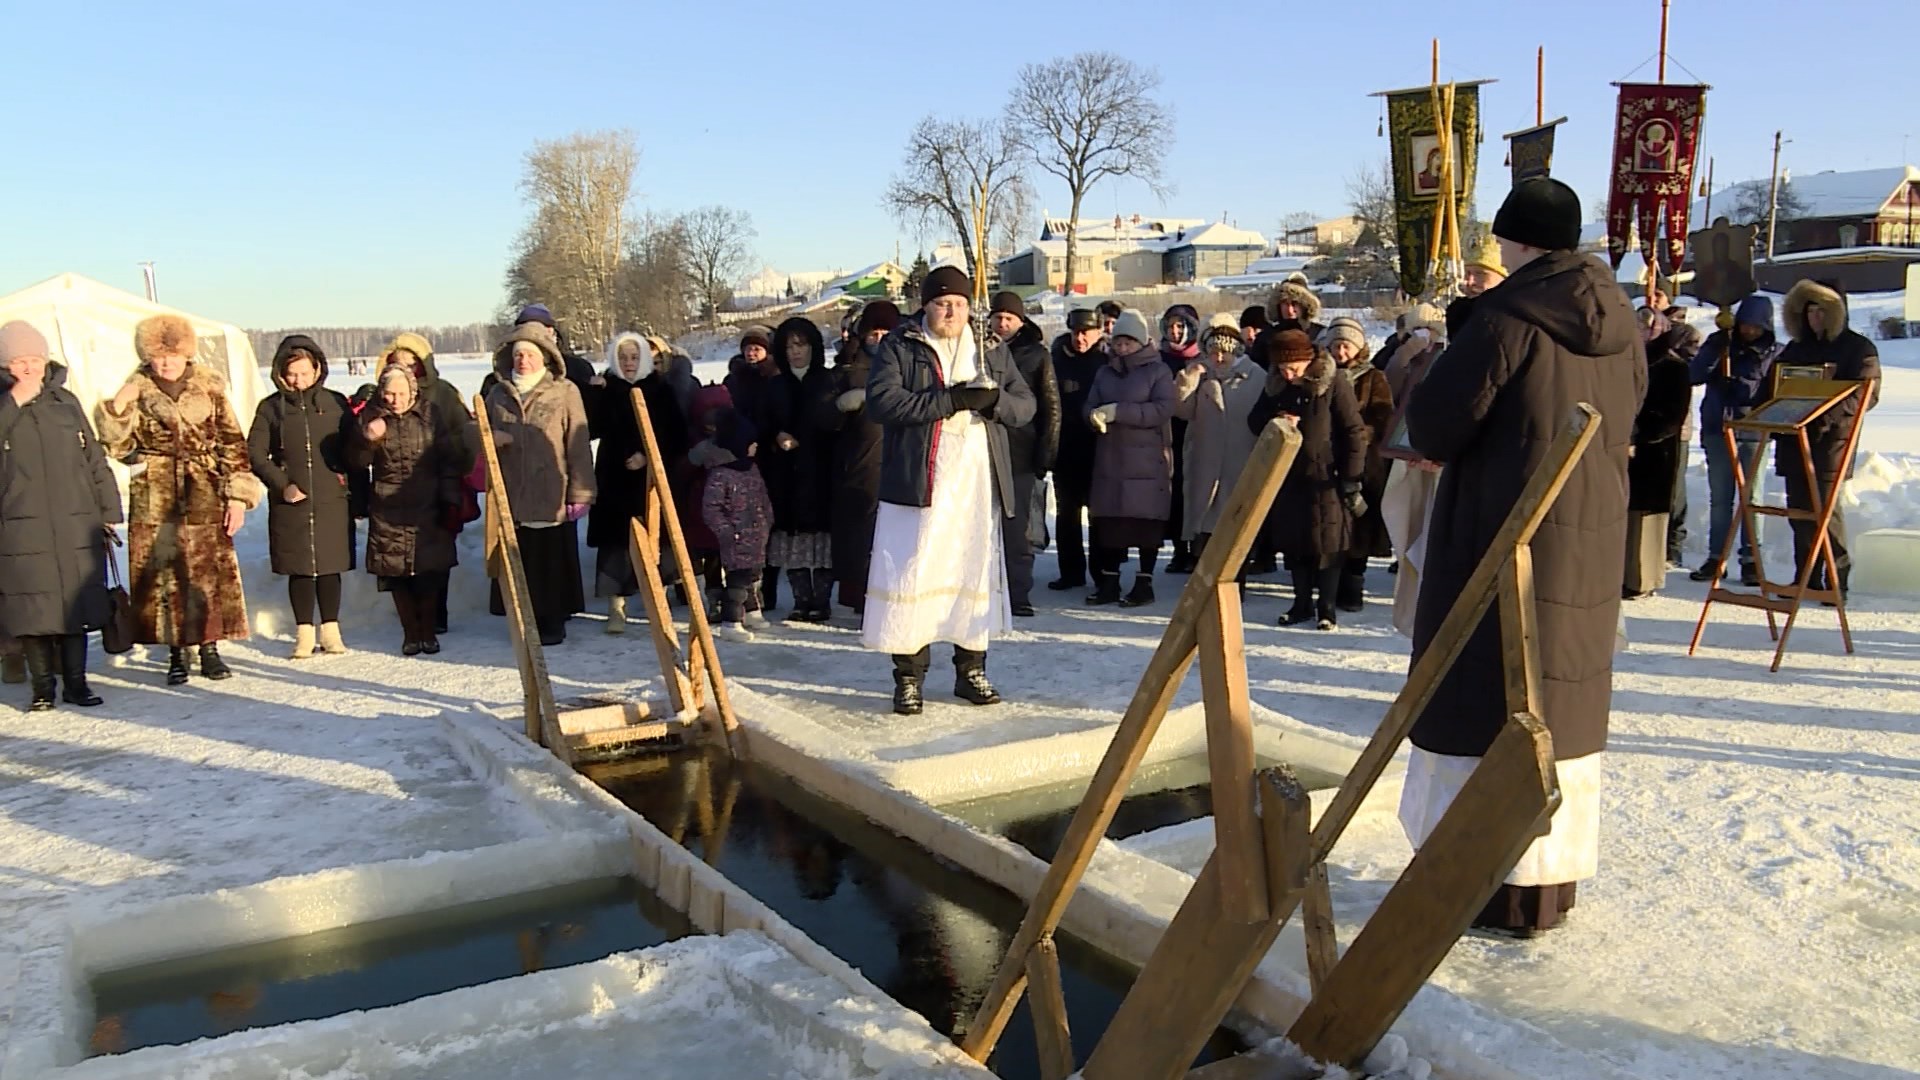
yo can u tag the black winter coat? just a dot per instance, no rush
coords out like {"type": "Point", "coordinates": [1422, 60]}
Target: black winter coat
{"type": "Point", "coordinates": [1073, 373]}
{"type": "Point", "coordinates": [1309, 522]}
{"type": "Point", "coordinates": [1034, 446]}
{"type": "Point", "coordinates": [1852, 356]}
{"type": "Point", "coordinates": [416, 480]}
{"type": "Point", "coordinates": [1556, 333]}
{"type": "Point", "coordinates": [299, 437]}
{"type": "Point", "coordinates": [800, 480]}
{"type": "Point", "coordinates": [621, 492]}
{"type": "Point", "coordinates": [908, 398]}
{"type": "Point", "coordinates": [1657, 445]}
{"type": "Point", "coordinates": [57, 496]}
{"type": "Point", "coordinates": [856, 458]}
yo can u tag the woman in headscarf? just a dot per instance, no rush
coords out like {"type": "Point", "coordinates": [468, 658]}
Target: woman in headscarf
{"type": "Point", "coordinates": [58, 503]}
{"type": "Point", "coordinates": [298, 449]}
{"type": "Point", "coordinates": [173, 416]}
{"type": "Point", "coordinates": [796, 460]}
{"type": "Point", "coordinates": [1131, 410]}
{"type": "Point", "coordinates": [621, 472]}
{"type": "Point", "coordinates": [842, 407]}
{"type": "Point", "coordinates": [416, 474]}
{"type": "Point", "coordinates": [546, 460]}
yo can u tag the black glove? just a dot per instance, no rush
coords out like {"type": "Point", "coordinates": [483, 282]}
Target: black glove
{"type": "Point", "coordinates": [980, 399]}
{"type": "Point", "coordinates": [1355, 502]}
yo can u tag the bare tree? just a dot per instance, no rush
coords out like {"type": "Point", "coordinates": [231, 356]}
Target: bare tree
{"type": "Point", "coordinates": [1296, 222]}
{"type": "Point", "coordinates": [1019, 217]}
{"type": "Point", "coordinates": [1086, 118]}
{"type": "Point", "coordinates": [655, 293]}
{"type": "Point", "coordinates": [569, 256]}
{"type": "Point", "coordinates": [1749, 199]}
{"type": "Point", "coordinates": [1370, 194]}
{"type": "Point", "coordinates": [716, 252]}
{"type": "Point", "coordinates": [947, 167]}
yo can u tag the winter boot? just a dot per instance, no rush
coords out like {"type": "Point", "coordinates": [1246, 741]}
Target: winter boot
{"type": "Point", "coordinates": [970, 678]}
{"type": "Point", "coordinates": [211, 666]}
{"type": "Point", "coordinates": [1142, 592]}
{"type": "Point", "coordinates": [552, 632]}
{"type": "Point", "coordinates": [715, 597]}
{"type": "Point", "coordinates": [801, 583]}
{"type": "Point", "coordinates": [1106, 590]}
{"type": "Point", "coordinates": [304, 640]}
{"type": "Point", "coordinates": [769, 590]}
{"type": "Point", "coordinates": [616, 615]}
{"type": "Point", "coordinates": [1749, 575]}
{"type": "Point", "coordinates": [1707, 571]}
{"type": "Point", "coordinates": [13, 668]}
{"type": "Point", "coordinates": [39, 659]}
{"type": "Point", "coordinates": [1302, 609]}
{"type": "Point", "coordinates": [909, 671]}
{"type": "Point", "coordinates": [822, 595]}
{"type": "Point", "coordinates": [1327, 586]}
{"type": "Point", "coordinates": [406, 606]}
{"type": "Point", "coordinates": [331, 642]}
{"type": "Point", "coordinates": [1184, 559]}
{"type": "Point", "coordinates": [177, 674]}
{"type": "Point", "coordinates": [73, 669]}
{"type": "Point", "coordinates": [1352, 595]}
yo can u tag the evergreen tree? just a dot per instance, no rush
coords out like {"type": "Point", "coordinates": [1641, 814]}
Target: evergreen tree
{"type": "Point", "coordinates": [918, 275]}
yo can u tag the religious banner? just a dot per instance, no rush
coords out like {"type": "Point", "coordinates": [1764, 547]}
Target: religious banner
{"type": "Point", "coordinates": [1420, 171]}
{"type": "Point", "coordinates": [1655, 139]}
{"type": "Point", "coordinates": [1530, 152]}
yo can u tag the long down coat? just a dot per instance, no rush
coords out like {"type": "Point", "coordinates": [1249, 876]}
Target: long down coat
{"type": "Point", "coordinates": [1556, 333]}
{"type": "Point", "coordinates": [800, 480]}
{"type": "Point", "coordinates": [1657, 444]}
{"type": "Point", "coordinates": [183, 577]}
{"type": "Point", "coordinates": [1309, 523]}
{"type": "Point", "coordinates": [416, 475]}
{"type": "Point", "coordinates": [57, 496]}
{"type": "Point", "coordinates": [299, 438]}
{"type": "Point", "coordinates": [856, 463]}
{"type": "Point", "coordinates": [1219, 442]}
{"type": "Point", "coordinates": [1133, 461]}
{"type": "Point", "coordinates": [621, 492]}
{"type": "Point", "coordinates": [547, 462]}
{"type": "Point", "coordinates": [1373, 393]}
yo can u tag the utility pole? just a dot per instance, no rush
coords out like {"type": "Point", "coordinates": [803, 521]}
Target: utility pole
{"type": "Point", "coordinates": [146, 272]}
{"type": "Point", "coordinates": [1773, 196]}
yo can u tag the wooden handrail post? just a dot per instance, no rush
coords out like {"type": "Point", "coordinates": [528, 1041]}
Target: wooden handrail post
{"type": "Point", "coordinates": [1230, 762]}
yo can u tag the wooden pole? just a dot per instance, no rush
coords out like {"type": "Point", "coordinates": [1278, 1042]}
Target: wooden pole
{"type": "Point", "coordinates": [1773, 195]}
{"type": "Point", "coordinates": [1246, 509]}
{"type": "Point", "coordinates": [1050, 1033]}
{"type": "Point", "coordinates": [1666, 6]}
{"type": "Point", "coordinates": [1230, 761]}
{"type": "Point", "coordinates": [1316, 922]}
{"type": "Point", "coordinates": [1436, 61]}
{"type": "Point", "coordinates": [1540, 86]}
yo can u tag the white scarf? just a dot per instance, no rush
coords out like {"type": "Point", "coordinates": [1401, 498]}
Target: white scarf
{"type": "Point", "coordinates": [959, 362]}
{"type": "Point", "coordinates": [525, 383]}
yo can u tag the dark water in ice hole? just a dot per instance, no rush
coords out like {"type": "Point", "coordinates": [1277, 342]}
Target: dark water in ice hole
{"type": "Point", "coordinates": [376, 964]}
{"type": "Point", "coordinates": [927, 932]}
{"type": "Point", "coordinates": [1163, 794]}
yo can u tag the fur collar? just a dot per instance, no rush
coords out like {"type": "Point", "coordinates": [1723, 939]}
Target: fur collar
{"type": "Point", "coordinates": [1318, 380]}
{"type": "Point", "coordinates": [1806, 294]}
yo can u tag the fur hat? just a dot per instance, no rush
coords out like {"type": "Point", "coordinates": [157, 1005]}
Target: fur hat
{"type": "Point", "coordinates": [879, 315]}
{"type": "Point", "coordinates": [1287, 347]}
{"type": "Point", "coordinates": [164, 335]}
{"type": "Point", "coordinates": [1256, 317]}
{"type": "Point", "coordinates": [19, 339]}
{"type": "Point", "coordinates": [1486, 256]}
{"type": "Point", "coordinates": [1542, 213]}
{"type": "Point", "coordinates": [1348, 330]}
{"type": "Point", "coordinates": [756, 335]}
{"type": "Point", "coordinates": [1294, 292]}
{"type": "Point", "coordinates": [1008, 303]}
{"type": "Point", "coordinates": [1807, 293]}
{"type": "Point", "coordinates": [946, 281]}
{"type": "Point", "coordinates": [1132, 324]}
{"type": "Point", "coordinates": [1221, 325]}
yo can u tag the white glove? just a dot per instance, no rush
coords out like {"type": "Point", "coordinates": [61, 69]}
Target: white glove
{"type": "Point", "coordinates": [851, 400]}
{"type": "Point", "coordinates": [1187, 381]}
{"type": "Point", "coordinates": [1216, 397]}
{"type": "Point", "coordinates": [1102, 416]}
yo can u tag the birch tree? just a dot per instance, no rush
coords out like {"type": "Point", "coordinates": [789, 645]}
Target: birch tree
{"type": "Point", "coordinates": [946, 167]}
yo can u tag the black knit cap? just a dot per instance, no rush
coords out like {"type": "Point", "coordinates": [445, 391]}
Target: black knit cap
{"type": "Point", "coordinates": [1255, 316]}
{"type": "Point", "coordinates": [1009, 303]}
{"type": "Point", "coordinates": [946, 281]}
{"type": "Point", "coordinates": [1542, 213]}
{"type": "Point", "coordinates": [879, 315]}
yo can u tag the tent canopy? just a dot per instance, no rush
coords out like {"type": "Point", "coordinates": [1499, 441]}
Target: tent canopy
{"type": "Point", "coordinates": [90, 328]}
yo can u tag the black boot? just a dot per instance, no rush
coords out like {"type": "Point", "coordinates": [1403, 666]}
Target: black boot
{"type": "Point", "coordinates": [801, 581]}
{"type": "Point", "coordinates": [39, 657]}
{"type": "Point", "coordinates": [909, 671]}
{"type": "Point", "coordinates": [769, 590]}
{"type": "Point", "coordinates": [1327, 585]}
{"type": "Point", "coordinates": [1749, 575]}
{"type": "Point", "coordinates": [211, 666]}
{"type": "Point", "coordinates": [1106, 589]}
{"type": "Point", "coordinates": [970, 678]}
{"type": "Point", "coordinates": [822, 596]}
{"type": "Point", "coordinates": [1352, 595]}
{"type": "Point", "coordinates": [1707, 571]}
{"type": "Point", "coordinates": [73, 670]}
{"type": "Point", "coordinates": [177, 673]}
{"type": "Point", "coordinates": [406, 605]}
{"type": "Point", "coordinates": [1142, 592]}
{"type": "Point", "coordinates": [1302, 609]}
{"type": "Point", "coordinates": [1184, 559]}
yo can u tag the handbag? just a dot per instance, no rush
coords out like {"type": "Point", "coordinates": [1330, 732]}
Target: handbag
{"type": "Point", "coordinates": [116, 636]}
{"type": "Point", "coordinates": [1037, 536]}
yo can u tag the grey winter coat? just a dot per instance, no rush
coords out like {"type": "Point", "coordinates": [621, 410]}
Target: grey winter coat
{"type": "Point", "coordinates": [1556, 333]}
{"type": "Point", "coordinates": [548, 461]}
{"type": "Point", "coordinates": [1218, 440]}
{"type": "Point", "coordinates": [299, 438]}
{"type": "Point", "coordinates": [1133, 461]}
{"type": "Point", "coordinates": [57, 497]}
{"type": "Point", "coordinates": [907, 397]}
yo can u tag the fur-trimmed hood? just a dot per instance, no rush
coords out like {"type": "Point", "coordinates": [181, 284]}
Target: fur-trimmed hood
{"type": "Point", "coordinates": [503, 355]}
{"type": "Point", "coordinates": [1807, 293]}
{"type": "Point", "coordinates": [1308, 300]}
{"type": "Point", "coordinates": [809, 332]}
{"type": "Point", "coordinates": [1318, 380]}
{"type": "Point", "coordinates": [426, 367]}
{"type": "Point", "coordinates": [283, 354]}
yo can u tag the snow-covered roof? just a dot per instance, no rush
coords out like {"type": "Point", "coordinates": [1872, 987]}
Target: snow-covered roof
{"type": "Point", "coordinates": [863, 273]}
{"type": "Point", "coordinates": [1219, 234]}
{"type": "Point", "coordinates": [1135, 227]}
{"type": "Point", "coordinates": [1829, 194]}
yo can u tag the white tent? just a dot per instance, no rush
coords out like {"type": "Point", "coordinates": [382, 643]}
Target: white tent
{"type": "Point", "coordinates": [90, 328]}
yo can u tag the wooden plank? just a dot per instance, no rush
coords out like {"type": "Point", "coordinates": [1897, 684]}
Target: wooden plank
{"type": "Point", "coordinates": [606, 738]}
{"type": "Point", "coordinates": [1230, 761]}
{"type": "Point", "coordinates": [1504, 805]}
{"type": "Point", "coordinates": [1529, 510]}
{"type": "Point", "coordinates": [701, 632]}
{"type": "Point", "coordinates": [613, 714]}
{"type": "Point", "coordinates": [543, 715]}
{"type": "Point", "coordinates": [1202, 961]}
{"type": "Point", "coordinates": [1520, 633]}
{"type": "Point", "coordinates": [660, 628]}
{"type": "Point", "coordinates": [1256, 1065]}
{"type": "Point", "coordinates": [1246, 509]}
{"type": "Point", "coordinates": [1316, 922]}
{"type": "Point", "coordinates": [1050, 1033]}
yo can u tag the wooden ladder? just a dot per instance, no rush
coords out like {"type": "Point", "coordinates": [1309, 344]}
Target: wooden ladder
{"type": "Point", "coordinates": [1267, 862]}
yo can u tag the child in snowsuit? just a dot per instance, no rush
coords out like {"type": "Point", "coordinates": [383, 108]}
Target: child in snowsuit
{"type": "Point", "coordinates": [735, 506]}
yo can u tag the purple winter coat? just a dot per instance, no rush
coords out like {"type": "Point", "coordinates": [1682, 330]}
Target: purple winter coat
{"type": "Point", "coordinates": [1133, 461]}
{"type": "Point", "coordinates": [736, 507]}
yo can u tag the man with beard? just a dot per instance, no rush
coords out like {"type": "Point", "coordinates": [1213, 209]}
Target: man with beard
{"type": "Point", "coordinates": [1078, 355]}
{"type": "Point", "coordinates": [1031, 446]}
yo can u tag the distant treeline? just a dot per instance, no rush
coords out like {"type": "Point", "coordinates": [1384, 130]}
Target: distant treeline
{"type": "Point", "coordinates": [345, 341]}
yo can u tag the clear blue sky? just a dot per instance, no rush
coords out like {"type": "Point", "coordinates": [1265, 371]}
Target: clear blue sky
{"type": "Point", "coordinates": [347, 162]}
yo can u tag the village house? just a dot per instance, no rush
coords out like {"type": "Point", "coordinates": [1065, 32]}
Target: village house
{"type": "Point", "coordinates": [1858, 229]}
{"type": "Point", "coordinates": [1128, 254]}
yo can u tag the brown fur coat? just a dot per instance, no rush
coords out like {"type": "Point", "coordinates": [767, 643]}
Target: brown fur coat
{"type": "Point", "coordinates": [182, 573]}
